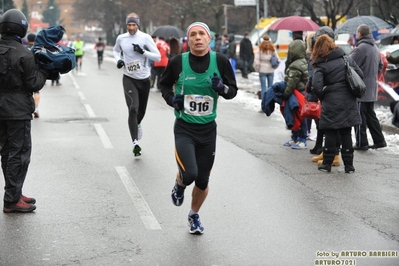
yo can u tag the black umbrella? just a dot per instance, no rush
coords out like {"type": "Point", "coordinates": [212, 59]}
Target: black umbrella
{"type": "Point", "coordinates": [168, 31]}
{"type": "Point", "coordinates": [388, 39]}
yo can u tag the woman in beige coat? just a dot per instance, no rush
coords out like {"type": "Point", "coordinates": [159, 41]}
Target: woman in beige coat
{"type": "Point", "coordinates": [263, 65]}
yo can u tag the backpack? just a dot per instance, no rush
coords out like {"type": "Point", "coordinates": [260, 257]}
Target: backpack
{"type": "Point", "coordinates": [274, 60]}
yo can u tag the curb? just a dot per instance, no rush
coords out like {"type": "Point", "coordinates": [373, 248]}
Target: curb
{"type": "Point", "coordinates": [390, 129]}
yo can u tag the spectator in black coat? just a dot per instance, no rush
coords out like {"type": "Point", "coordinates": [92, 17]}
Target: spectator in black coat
{"type": "Point", "coordinates": [339, 107]}
{"type": "Point", "coordinates": [246, 54]}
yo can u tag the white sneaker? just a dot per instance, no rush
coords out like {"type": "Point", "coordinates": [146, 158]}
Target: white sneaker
{"type": "Point", "coordinates": [139, 132]}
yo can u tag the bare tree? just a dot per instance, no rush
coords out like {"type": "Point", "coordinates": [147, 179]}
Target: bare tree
{"type": "Point", "coordinates": [388, 9]}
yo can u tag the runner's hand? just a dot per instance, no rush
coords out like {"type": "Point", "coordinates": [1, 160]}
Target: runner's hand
{"type": "Point", "coordinates": [217, 83]}
{"type": "Point", "coordinates": [137, 48]}
{"type": "Point", "coordinates": [120, 63]}
{"type": "Point", "coordinates": [178, 102]}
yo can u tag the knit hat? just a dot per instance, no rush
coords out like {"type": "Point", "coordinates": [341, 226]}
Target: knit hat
{"type": "Point", "coordinates": [198, 24]}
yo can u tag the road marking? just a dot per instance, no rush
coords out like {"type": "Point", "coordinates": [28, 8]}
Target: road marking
{"type": "Point", "coordinates": [81, 95]}
{"type": "Point", "coordinates": [89, 110]}
{"type": "Point", "coordinates": [75, 84]}
{"type": "Point", "coordinates": [142, 207]}
{"type": "Point", "coordinates": [103, 136]}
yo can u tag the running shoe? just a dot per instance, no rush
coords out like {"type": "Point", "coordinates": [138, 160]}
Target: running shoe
{"type": "Point", "coordinates": [137, 150]}
{"type": "Point", "coordinates": [139, 132]}
{"type": "Point", "coordinates": [195, 225]}
{"type": "Point", "coordinates": [178, 194]}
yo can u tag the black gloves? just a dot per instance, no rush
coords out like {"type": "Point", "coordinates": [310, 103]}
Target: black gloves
{"type": "Point", "coordinates": [120, 63]}
{"type": "Point", "coordinates": [217, 83]}
{"type": "Point", "coordinates": [178, 102]}
{"type": "Point", "coordinates": [137, 48]}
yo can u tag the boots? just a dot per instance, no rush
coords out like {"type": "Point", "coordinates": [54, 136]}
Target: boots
{"type": "Point", "coordinates": [347, 158]}
{"type": "Point", "coordinates": [317, 158]}
{"type": "Point", "coordinates": [328, 158]}
{"type": "Point", "coordinates": [318, 147]}
{"type": "Point", "coordinates": [336, 161]}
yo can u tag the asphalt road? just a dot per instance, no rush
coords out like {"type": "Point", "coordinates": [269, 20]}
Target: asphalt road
{"type": "Point", "coordinates": [97, 204]}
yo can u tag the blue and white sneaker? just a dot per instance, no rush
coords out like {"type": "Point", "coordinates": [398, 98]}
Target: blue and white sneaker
{"type": "Point", "coordinates": [195, 225]}
{"type": "Point", "coordinates": [178, 194]}
{"type": "Point", "coordinates": [289, 143]}
{"type": "Point", "coordinates": [299, 145]}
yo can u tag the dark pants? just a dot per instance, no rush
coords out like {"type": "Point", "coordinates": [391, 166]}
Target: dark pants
{"type": "Point", "coordinates": [370, 121]}
{"type": "Point", "coordinates": [335, 137]}
{"type": "Point", "coordinates": [245, 68]}
{"type": "Point", "coordinates": [158, 74]}
{"type": "Point", "coordinates": [16, 147]}
{"type": "Point", "coordinates": [136, 96]}
{"type": "Point", "coordinates": [100, 56]}
{"type": "Point", "coordinates": [195, 146]}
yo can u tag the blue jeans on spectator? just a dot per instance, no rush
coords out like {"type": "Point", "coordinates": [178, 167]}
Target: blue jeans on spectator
{"type": "Point", "coordinates": [302, 133]}
{"type": "Point", "coordinates": [262, 78]}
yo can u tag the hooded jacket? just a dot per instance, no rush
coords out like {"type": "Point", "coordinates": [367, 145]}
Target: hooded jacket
{"type": "Point", "coordinates": [296, 74]}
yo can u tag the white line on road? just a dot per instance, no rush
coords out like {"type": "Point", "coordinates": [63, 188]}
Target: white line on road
{"type": "Point", "coordinates": [103, 136]}
{"type": "Point", "coordinates": [142, 207]}
{"type": "Point", "coordinates": [75, 84]}
{"type": "Point", "coordinates": [89, 110]}
{"type": "Point", "coordinates": [81, 95]}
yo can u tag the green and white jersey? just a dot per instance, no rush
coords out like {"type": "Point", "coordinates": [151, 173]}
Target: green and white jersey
{"type": "Point", "coordinates": [200, 100]}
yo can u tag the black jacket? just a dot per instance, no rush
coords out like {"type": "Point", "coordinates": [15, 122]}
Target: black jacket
{"type": "Point", "coordinates": [246, 50]}
{"type": "Point", "coordinates": [20, 76]}
{"type": "Point", "coordinates": [231, 52]}
{"type": "Point", "coordinates": [339, 106]}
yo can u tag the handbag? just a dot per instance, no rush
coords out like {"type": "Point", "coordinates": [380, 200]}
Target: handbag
{"type": "Point", "coordinates": [274, 60]}
{"type": "Point", "coordinates": [355, 82]}
{"type": "Point", "coordinates": [311, 109]}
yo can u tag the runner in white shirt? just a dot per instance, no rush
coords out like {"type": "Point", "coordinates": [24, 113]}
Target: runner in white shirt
{"type": "Point", "coordinates": [133, 50]}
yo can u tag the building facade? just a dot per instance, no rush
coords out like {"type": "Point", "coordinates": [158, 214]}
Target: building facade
{"type": "Point", "coordinates": [36, 7]}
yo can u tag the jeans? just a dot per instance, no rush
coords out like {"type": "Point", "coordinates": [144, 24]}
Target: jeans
{"type": "Point", "coordinates": [262, 78]}
{"type": "Point", "coordinates": [302, 132]}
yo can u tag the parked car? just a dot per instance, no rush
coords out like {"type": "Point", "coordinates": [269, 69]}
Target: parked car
{"type": "Point", "coordinates": [345, 46]}
{"type": "Point", "coordinates": [394, 50]}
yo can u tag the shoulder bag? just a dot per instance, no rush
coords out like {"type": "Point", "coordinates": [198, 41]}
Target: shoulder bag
{"type": "Point", "coordinates": [354, 81]}
{"type": "Point", "coordinates": [274, 60]}
{"type": "Point", "coordinates": [310, 109]}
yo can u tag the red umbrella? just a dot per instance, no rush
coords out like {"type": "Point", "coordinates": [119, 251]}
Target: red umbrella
{"type": "Point", "coordinates": [294, 23]}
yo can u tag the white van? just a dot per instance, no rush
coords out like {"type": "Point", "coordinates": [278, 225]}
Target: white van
{"type": "Point", "coordinates": [280, 38]}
